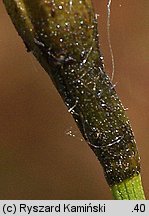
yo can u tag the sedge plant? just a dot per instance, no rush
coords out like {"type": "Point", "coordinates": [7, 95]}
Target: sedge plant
{"type": "Point", "coordinates": [63, 36]}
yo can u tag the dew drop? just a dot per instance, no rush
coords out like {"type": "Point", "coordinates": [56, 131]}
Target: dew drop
{"type": "Point", "coordinates": [60, 7]}
{"type": "Point", "coordinates": [73, 133]}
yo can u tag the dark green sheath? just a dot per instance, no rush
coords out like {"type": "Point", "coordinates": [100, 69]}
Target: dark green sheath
{"type": "Point", "coordinates": [63, 36]}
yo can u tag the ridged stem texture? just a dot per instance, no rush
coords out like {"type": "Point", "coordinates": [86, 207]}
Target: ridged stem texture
{"type": "Point", "coordinates": [63, 36]}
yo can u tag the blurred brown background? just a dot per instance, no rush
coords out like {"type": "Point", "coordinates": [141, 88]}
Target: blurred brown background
{"type": "Point", "coordinates": [38, 160]}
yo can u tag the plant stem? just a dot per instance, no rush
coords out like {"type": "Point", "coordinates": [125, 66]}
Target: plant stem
{"type": "Point", "coordinates": [64, 39]}
{"type": "Point", "coordinates": [129, 189]}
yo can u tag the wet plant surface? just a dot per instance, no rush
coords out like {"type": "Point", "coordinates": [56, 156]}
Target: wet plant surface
{"type": "Point", "coordinates": [100, 96]}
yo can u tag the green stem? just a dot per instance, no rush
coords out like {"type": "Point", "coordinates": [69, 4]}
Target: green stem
{"type": "Point", "coordinates": [64, 39]}
{"type": "Point", "coordinates": [129, 189]}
